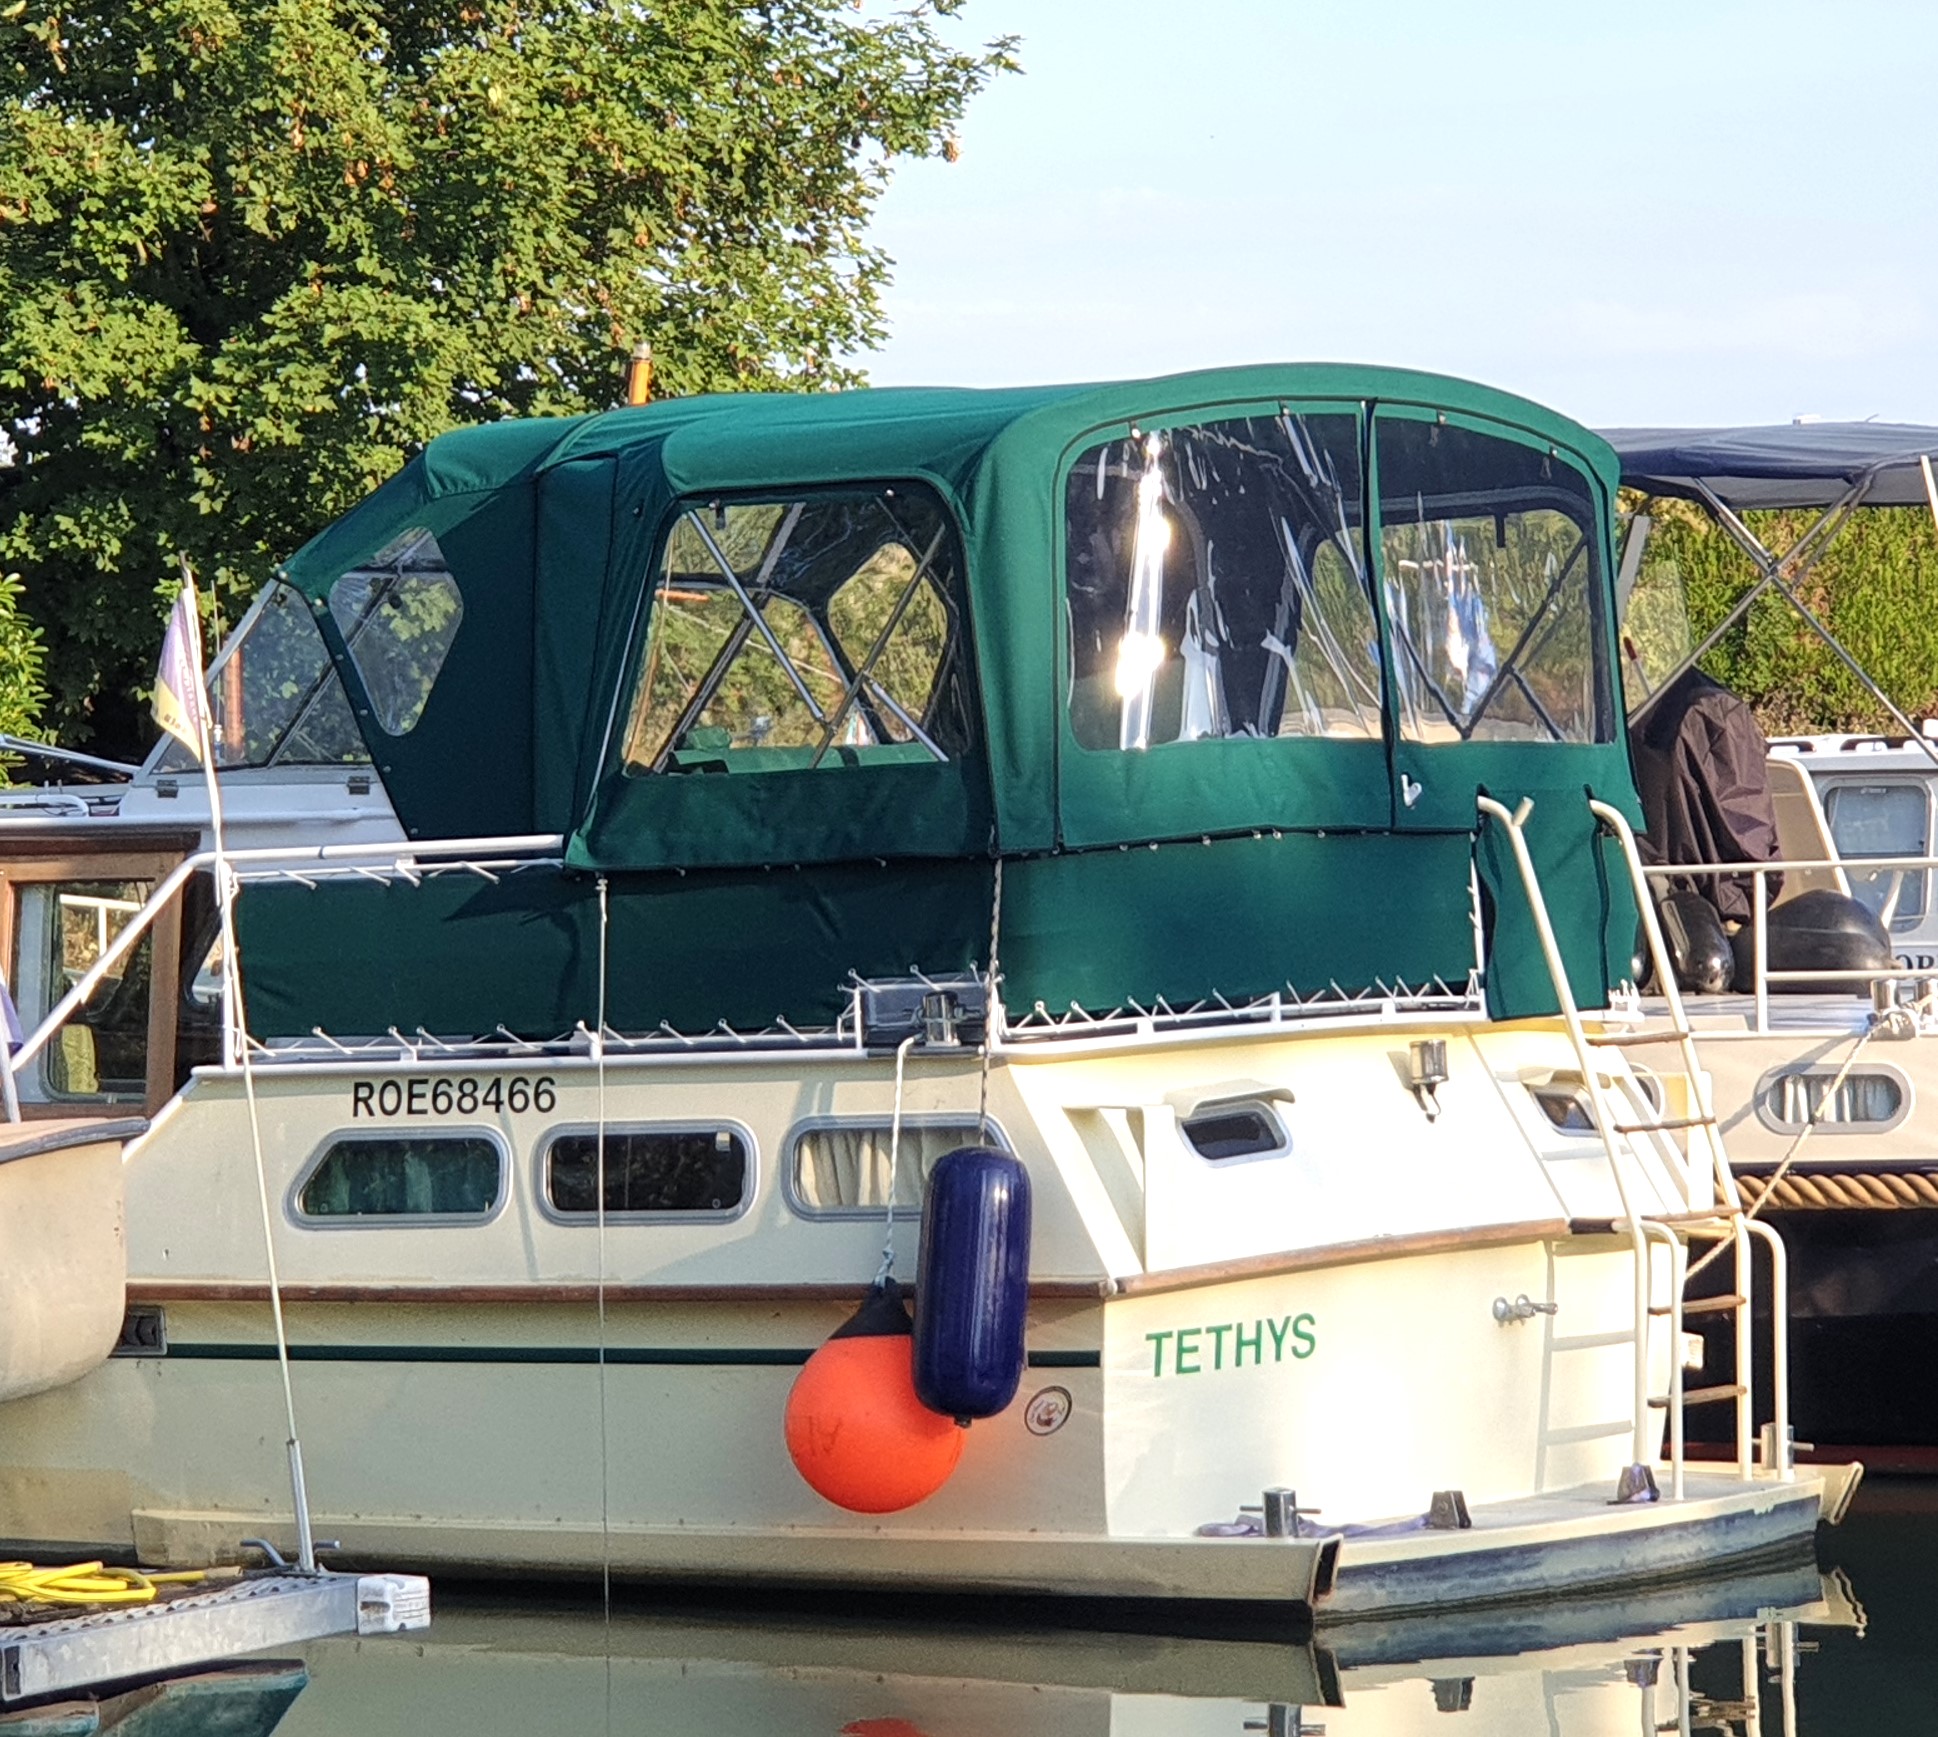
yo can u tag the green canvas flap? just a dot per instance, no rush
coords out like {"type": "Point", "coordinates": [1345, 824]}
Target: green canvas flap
{"type": "Point", "coordinates": [1585, 886]}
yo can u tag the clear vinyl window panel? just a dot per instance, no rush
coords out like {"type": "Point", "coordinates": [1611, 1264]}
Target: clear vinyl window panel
{"type": "Point", "coordinates": [1492, 568]}
{"type": "Point", "coordinates": [841, 1168]}
{"type": "Point", "coordinates": [819, 631]}
{"type": "Point", "coordinates": [398, 614]}
{"type": "Point", "coordinates": [647, 1170]}
{"type": "Point", "coordinates": [274, 695]}
{"type": "Point", "coordinates": [1882, 820]}
{"type": "Point", "coordinates": [1216, 584]}
{"type": "Point", "coordinates": [61, 928]}
{"type": "Point", "coordinates": [397, 1176]}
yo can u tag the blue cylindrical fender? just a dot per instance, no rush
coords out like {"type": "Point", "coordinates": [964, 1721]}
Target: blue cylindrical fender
{"type": "Point", "coordinates": [972, 1285]}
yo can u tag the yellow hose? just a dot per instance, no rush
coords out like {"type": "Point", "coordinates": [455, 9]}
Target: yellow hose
{"type": "Point", "coordinates": [84, 1583]}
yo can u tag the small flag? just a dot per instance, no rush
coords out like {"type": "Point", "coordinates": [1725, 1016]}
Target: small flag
{"type": "Point", "coordinates": [181, 706]}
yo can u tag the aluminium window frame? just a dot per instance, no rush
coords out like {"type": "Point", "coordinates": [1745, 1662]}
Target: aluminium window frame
{"type": "Point", "coordinates": [541, 1172]}
{"type": "Point", "coordinates": [969, 1121]}
{"type": "Point", "coordinates": [368, 1221]}
{"type": "Point", "coordinates": [1771, 1079]}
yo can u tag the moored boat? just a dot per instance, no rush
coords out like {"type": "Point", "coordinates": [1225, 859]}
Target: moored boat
{"type": "Point", "coordinates": [1206, 794]}
{"type": "Point", "coordinates": [1820, 1044]}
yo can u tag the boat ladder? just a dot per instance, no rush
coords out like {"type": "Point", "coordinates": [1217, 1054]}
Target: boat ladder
{"type": "Point", "coordinates": [1712, 1206]}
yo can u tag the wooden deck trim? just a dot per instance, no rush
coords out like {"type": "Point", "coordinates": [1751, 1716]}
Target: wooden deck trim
{"type": "Point", "coordinates": [1427, 1242]}
{"type": "Point", "coordinates": [32, 1139]}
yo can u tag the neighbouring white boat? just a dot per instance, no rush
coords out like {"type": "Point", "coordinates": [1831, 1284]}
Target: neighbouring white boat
{"type": "Point", "coordinates": [1823, 1059]}
{"type": "Point", "coordinates": [63, 1252]}
{"type": "Point", "coordinates": [1205, 799]}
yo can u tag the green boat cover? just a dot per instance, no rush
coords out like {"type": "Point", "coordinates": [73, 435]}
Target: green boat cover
{"type": "Point", "coordinates": [1225, 860]}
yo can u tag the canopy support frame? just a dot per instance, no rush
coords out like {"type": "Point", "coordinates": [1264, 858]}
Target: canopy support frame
{"type": "Point", "coordinates": [865, 676]}
{"type": "Point", "coordinates": [1783, 573]}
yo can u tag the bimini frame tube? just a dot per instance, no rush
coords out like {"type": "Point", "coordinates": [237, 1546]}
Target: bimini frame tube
{"type": "Point", "coordinates": [1802, 556]}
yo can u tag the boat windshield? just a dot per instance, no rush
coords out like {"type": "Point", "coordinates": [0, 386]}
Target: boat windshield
{"type": "Point", "coordinates": [274, 695]}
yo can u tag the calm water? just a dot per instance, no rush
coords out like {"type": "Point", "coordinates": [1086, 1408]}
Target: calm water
{"type": "Point", "coordinates": [1851, 1646]}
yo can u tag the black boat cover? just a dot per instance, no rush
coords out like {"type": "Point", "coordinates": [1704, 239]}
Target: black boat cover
{"type": "Point", "coordinates": [1701, 765]}
{"type": "Point", "coordinates": [1803, 464]}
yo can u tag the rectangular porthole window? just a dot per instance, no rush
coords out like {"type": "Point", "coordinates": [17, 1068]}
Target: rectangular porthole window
{"type": "Point", "coordinates": [1565, 1104]}
{"type": "Point", "coordinates": [1869, 1100]}
{"type": "Point", "coordinates": [839, 1169]}
{"type": "Point", "coordinates": [648, 1171]}
{"type": "Point", "coordinates": [446, 1178]}
{"type": "Point", "coordinates": [1234, 1130]}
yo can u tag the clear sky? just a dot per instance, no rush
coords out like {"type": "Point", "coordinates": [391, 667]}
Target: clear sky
{"type": "Point", "coordinates": [1674, 211]}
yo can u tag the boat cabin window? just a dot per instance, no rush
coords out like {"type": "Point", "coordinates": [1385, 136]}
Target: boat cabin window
{"type": "Point", "coordinates": [648, 1171]}
{"type": "Point", "coordinates": [1868, 1100]}
{"type": "Point", "coordinates": [398, 614]}
{"type": "Point", "coordinates": [1883, 819]}
{"type": "Point", "coordinates": [1565, 1104]}
{"type": "Point", "coordinates": [814, 631]}
{"type": "Point", "coordinates": [450, 1178]}
{"type": "Point", "coordinates": [1235, 1130]}
{"type": "Point", "coordinates": [1216, 583]}
{"type": "Point", "coordinates": [274, 696]}
{"type": "Point", "coordinates": [61, 928]}
{"type": "Point", "coordinates": [1489, 551]}
{"type": "Point", "coordinates": [839, 1168]}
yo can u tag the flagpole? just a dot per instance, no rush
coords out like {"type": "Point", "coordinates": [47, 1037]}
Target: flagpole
{"type": "Point", "coordinates": [235, 1045]}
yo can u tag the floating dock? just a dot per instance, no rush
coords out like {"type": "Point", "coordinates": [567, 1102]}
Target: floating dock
{"type": "Point", "coordinates": [69, 1653]}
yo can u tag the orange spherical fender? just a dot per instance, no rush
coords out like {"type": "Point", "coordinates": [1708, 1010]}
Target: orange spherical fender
{"type": "Point", "coordinates": [855, 1430]}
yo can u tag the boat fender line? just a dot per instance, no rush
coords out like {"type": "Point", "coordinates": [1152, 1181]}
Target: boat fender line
{"type": "Point", "coordinates": [972, 1284]}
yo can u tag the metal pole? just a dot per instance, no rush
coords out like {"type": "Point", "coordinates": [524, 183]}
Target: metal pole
{"type": "Point", "coordinates": [1766, 566]}
{"type": "Point", "coordinates": [236, 1031]}
{"type": "Point", "coordinates": [1772, 567]}
{"type": "Point", "coordinates": [1760, 942]}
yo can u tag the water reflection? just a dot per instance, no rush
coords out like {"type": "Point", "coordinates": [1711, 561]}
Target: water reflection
{"type": "Point", "coordinates": [1726, 1657]}
{"type": "Point", "coordinates": [1785, 1652]}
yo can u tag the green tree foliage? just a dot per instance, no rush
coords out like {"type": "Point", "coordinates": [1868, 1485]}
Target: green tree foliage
{"type": "Point", "coordinates": [1873, 590]}
{"type": "Point", "coordinates": [254, 253]}
{"type": "Point", "coordinates": [21, 690]}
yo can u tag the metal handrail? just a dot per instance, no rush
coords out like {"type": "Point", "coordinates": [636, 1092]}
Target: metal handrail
{"type": "Point", "coordinates": [1617, 823]}
{"type": "Point", "coordinates": [1604, 1122]}
{"type": "Point", "coordinates": [281, 856]}
{"type": "Point", "coordinates": [1759, 872]}
{"type": "Point", "coordinates": [1744, 1225]}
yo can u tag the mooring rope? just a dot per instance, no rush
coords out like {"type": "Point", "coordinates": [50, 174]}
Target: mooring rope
{"type": "Point", "coordinates": [894, 1157]}
{"type": "Point", "coordinates": [1776, 1176]}
{"type": "Point", "coordinates": [599, 1194]}
{"type": "Point", "coordinates": [1834, 1191]}
{"type": "Point", "coordinates": [989, 1003]}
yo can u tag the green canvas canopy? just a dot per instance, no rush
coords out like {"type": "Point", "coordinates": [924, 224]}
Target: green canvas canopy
{"type": "Point", "coordinates": [1216, 663]}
